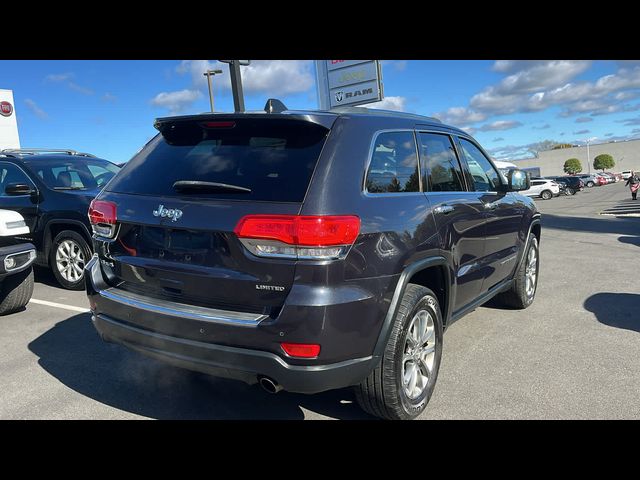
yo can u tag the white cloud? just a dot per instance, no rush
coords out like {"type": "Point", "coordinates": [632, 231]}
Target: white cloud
{"type": "Point", "coordinates": [80, 89]}
{"type": "Point", "coordinates": [272, 77]}
{"type": "Point", "coordinates": [59, 77]}
{"type": "Point", "coordinates": [532, 86]}
{"type": "Point", "coordinates": [35, 109]}
{"type": "Point", "coordinates": [584, 119]}
{"type": "Point", "coordinates": [176, 101]}
{"type": "Point", "coordinates": [499, 125]}
{"type": "Point", "coordinates": [278, 77]}
{"type": "Point", "coordinates": [582, 132]}
{"type": "Point", "coordinates": [66, 79]}
{"type": "Point", "coordinates": [108, 97]}
{"type": "Point", "coordinates": [460, 116]}
{"type": "Point", "coordinates": [389, 103]}
{"type": "Point", "coordinates": [532, 78]}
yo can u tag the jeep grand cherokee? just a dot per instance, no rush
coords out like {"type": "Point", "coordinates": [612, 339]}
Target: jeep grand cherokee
{"type": "Point", "coordinates": [309, 250]}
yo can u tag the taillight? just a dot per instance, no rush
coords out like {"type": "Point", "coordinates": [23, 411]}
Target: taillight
{"type": "Point", "coordinates": [103, 217]}
{"type": "Point", "coordinates": [315, 237]}
{"type": "Point", "coordinates": [301, 350]}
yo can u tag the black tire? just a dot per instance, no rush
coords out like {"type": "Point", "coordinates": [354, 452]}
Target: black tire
{"type": "Point", "coordinates": [546, 195]}
{"type": "Point", "coordinates": [16, 291]}
{"type": "Point", "coordinates": [570, 191]}
{"type": "Point", "coordinates": [77, 239]}
{"type": "Point", "coordinates": [590, 184]}
{"type": "Point", "coordinates": [382, 393]}
{"type": "Point", "coordinates": [517, 297]}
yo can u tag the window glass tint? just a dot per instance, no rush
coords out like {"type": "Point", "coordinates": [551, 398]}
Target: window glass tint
{"type": "Point", "coordinates": [273, 158]}
{"type": "Point", "coordinates": [443, 168]}
{"type": "Point", "coordinates": [64, 173]}
{"type": "Point", "coordinates": [9, 173]}
{"type": "Point", "coordinates": [394, 164]}
{"type": "Point", "coordinates": [485, 177]}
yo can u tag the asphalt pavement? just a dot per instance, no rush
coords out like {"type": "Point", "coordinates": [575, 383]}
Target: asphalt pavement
{"type": "Point", "coordinates": [572, 355]}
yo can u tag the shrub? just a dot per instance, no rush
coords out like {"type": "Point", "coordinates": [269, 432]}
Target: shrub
{"type": "Point", "coordinates": [572, 166]}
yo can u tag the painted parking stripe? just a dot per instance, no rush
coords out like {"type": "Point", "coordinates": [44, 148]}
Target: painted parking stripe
{"type": "Point", "coordinates": [59, 305]}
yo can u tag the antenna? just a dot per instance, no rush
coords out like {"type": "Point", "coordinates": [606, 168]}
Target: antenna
{"type": "Point", "coordinates": [274, 105]}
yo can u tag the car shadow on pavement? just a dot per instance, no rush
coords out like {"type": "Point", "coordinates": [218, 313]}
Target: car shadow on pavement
{"type": "Point", "coordinates": [75, 355]}
{"type": "Point", "coordinates": [620, 310]}
{"type": "Point", "coordinates": [630, 240]}
{"type": "Point", "coordinates": [623, 226]}
{"type": "Point", "coordinates": [45, 276]}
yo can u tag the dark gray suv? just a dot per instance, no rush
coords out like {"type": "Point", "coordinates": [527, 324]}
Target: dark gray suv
{"type": "Point", "coordinates": [309, 250]}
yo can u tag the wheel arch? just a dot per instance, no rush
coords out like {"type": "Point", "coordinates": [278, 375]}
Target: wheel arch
{"type": "Point", "coordinates": [432, 273]}
{"type": "Point", "coordinates": [54, 227]}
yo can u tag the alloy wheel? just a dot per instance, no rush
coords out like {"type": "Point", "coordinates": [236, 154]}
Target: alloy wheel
{"type": "Point", "coordinates": [531, 269]}
{"type": "Point", "coordinates": [70, 260]}
{"type": "Point", "coordinates": [419, 354]}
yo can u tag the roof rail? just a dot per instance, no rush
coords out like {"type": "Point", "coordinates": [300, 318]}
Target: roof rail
{"type": "Point", "coordinates": [379, 111]}
{"type": "Point", "coordinates": [35, 151]}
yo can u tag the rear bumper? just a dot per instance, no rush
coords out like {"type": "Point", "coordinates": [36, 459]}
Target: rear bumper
{"type": "Point", "coordinates": [115, 323]}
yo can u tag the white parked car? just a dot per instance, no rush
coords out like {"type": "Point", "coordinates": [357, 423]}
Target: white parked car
{"type": "Point", "coordinates": [626, 174]}
{"type": "Point", "coordinates": [542, 188]}
{"type": "Point", "coordinates": [16, 257]}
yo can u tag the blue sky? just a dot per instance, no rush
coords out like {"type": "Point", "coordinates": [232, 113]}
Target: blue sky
{"type": "Point", "coordinates": [108, 107]}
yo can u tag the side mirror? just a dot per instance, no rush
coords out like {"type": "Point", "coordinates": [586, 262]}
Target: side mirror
{"type": "Point", "coordinates": [14, 189]}
{"type": "Point", "coordinates": [518, 180]}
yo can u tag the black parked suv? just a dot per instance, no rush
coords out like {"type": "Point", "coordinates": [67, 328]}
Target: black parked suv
{"type": "Point", "coordinates": [572, 185]}
{"type": "Point", "coordinates": [307, 250]}
{"type": "Point", "coordinates": [52, 190]}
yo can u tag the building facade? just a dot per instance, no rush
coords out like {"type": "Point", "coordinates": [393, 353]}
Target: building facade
{"type": "Point", "coordinates": [626, 154]}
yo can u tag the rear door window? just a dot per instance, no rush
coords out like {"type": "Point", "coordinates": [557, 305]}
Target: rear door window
{"type": "Point", "coordinates": [394, 164]}
{"type": "Point", "coordinates": [273, 158]}
{"type": "Point", "coordinates": [444, 172]}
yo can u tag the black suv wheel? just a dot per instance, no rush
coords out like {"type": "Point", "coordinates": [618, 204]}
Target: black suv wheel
{"type": "Point", "coordinates": [400, 387]}
{"type": "Point", "coordinates": [67, 258]}
{"type": "Point", "coordinates": [525, 283]}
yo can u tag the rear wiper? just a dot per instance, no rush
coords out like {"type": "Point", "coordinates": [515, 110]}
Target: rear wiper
{"type": "Point", "coordinates": [198, 186]}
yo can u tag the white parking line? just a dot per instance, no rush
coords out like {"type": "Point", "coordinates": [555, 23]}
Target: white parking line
{"type": "Point", "coordinates": [59, 305]}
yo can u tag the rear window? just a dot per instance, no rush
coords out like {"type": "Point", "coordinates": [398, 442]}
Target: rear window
{"type": "Point", "coordinates": [273, 158]}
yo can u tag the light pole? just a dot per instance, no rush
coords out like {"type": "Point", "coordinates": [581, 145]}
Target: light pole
{"type": "Point", "coordinates": [209, 74]}
{"type": "Point", "coordinates": [588, 141]}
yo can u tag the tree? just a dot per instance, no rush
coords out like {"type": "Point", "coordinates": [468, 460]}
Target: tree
{"type": "Point", "coordinates": [572, 166]}
{"type": "Point", "coordinates": [603, 161]}
{"type": "Point", "coordinates": [542, 146]}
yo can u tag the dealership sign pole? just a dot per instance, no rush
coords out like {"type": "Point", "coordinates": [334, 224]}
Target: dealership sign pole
{"type": "Point", "coordinates": [348, 82]}
{"type": "Point", "coordinates": [236, 82]}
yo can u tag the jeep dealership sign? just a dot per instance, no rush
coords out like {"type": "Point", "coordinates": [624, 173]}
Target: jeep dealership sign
{"type": "Point", "coordinates": [8, 124]}
{"type": "Point", "coordinates": [348, 82]}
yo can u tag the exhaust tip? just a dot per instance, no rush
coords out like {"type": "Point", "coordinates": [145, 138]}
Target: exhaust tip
{"type": "Point", "coordinates": [269, 385]}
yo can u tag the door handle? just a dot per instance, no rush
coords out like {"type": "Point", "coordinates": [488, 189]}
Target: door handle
{"type": "Point", "coordinates": [490, 206]}
{"type": "Point", "coordinates": [443, 209]}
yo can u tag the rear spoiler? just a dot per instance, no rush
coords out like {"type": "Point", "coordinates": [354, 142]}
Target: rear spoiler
{"type": "Point", "coordinates": [323, 119]}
